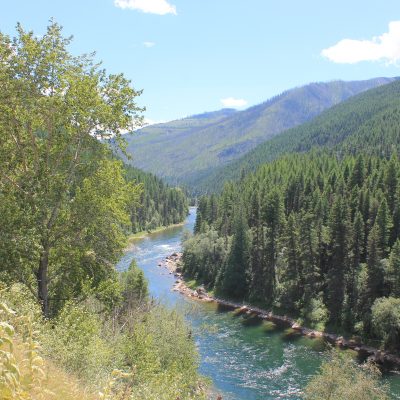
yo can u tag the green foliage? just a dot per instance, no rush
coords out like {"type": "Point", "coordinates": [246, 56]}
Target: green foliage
{"type": "Point", "coordinates": [64, 200]}
{"type": "Point", "coordinates": [367, 122]}
{"type": "Point", "coordinates": [159, 204]}
{"type": "Point", "coordinates": [234, 279]}
{"type": "Point", "coordinates": [220, 137]}
{"type": "Point", "coordinates": [321, 241]}
{"type": "Point", "coordinates": [67, 204]}
{"type": "Point", "coordinates": [21, 375]}
{"type": "Point", "coordinates": [204, 255]}
{"type": "Point", "coordinates": [341, 378]}
{"type": "Point", "coordinates": [316, 314]}
{"type": "Point", "coordinates": [386, 321]}
{"type": "Point", "coordinates": [76, 342]}
{"type": "Point", "coordinates": [393, 270]}
{"type": "Point", "coordinates": [137, 350]}
{"type": "Point", "coordinates": [134, 285]}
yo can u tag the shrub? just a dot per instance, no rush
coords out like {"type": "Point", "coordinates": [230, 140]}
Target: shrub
{"type": "Point", "coordinates": [341, 378]}
{"type": "Point", "coordinates": [386, 321]}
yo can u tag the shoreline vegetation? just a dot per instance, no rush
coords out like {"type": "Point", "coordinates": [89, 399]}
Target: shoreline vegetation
{"type": "Point", "coordinates": [143, 234]}
{"type": "Point", "coordinates": [382, 358]}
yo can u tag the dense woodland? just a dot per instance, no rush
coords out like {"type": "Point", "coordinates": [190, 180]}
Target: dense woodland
{"type": "Point", "coordinates": [367, 123]}
{"type": "Point", "coordinates": [159, 205]}
{"type": "Point", "coordinates": [192, 150]}
{"type": "Point", "coordinates": [314, 235]}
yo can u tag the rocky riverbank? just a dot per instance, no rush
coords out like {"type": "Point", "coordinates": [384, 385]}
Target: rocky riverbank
{"type": "Point", "coordinates": [380, 357]}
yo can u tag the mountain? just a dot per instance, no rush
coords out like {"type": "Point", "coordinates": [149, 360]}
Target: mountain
{"type": "Point", "coordinates": [187, 150]}
{"type": "Point", "coordinates": [368, 122]}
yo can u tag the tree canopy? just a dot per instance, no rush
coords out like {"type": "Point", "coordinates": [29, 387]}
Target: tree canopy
{"type": "Point", "coordinates": [63, 200]}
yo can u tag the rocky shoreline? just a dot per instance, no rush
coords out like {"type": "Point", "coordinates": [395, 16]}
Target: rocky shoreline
{"type": "Point", "coordinates": [382, 358]}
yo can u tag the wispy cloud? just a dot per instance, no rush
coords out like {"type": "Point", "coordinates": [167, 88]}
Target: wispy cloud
{"type": "Point", "coordinates": [148, 44]}
{"type": "Point", "coordinates": [160, 7]}
{"type": "Point", "coordinates": [231, 102]}
{"type": "Point", "coordinates": [385, 47]}
{"type": "Point", "coordinates": [148, 121]}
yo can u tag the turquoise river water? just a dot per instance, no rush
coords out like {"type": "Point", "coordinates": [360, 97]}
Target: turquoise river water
{"type": "Point", "coordinates": [244, 360]}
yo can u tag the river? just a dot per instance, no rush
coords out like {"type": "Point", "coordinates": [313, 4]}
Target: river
{"type": "Point", "coordinates": [244, 360]}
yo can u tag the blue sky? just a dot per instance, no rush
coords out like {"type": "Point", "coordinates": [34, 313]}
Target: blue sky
{"type": "Point", "coordinates": [191, 56]}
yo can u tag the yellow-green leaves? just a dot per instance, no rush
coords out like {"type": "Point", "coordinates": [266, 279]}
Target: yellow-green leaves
{"type": "Point", "coordinates": [61, 195]}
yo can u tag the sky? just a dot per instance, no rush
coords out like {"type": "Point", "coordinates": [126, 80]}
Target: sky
{"type": "Point", "coordinates": [192, 56]}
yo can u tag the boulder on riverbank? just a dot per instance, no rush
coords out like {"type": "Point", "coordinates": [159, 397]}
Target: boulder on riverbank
{"type": "Point", "coordinates": [381, 358]}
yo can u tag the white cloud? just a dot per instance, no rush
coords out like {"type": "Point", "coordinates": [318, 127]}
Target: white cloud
{"type": "Point", "coordinates": [149, 121]}
{"type": "Point", "coordinates": [380, 48]}
{"type": "Point", "coordinates": [148, 44]}
{"type": "Point", "coordinates": [160, 7]}
{"type": "Point", "coordinates": [231, 102]}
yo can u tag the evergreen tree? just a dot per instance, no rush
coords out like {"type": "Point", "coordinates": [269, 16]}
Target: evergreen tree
{"type": "Point", "coordinates": [257, 273]}
{"type": "Point", "coordinates": [393, 270]}
{"type": "Point", "coordinates": [375, 271]}
{"type": "Point", "coordinates": [384, 226]}
{"type": "Point", "coordinates": [235, 283]}
{"type": "Point", "coordinates": [338, 265]}
{"type": "Point", "coordinates": [358, 173]}
{"type": "Point", "coordinates": [309, 275]}
{"type": "Point", "coordinates": [199, 222]}
{"type": "Point", "coordinates": [291, 276]}
{"type": "Point", "coordinates": [274, 219]}
{"type": "Point", "coordinates": [391, 182]}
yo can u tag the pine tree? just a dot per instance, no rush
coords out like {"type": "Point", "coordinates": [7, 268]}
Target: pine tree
{"type": "Point", "coordinates": [257, 274]}
{"type": "Point", "coordinates": [274, 219]}
{"type": "Point", "coordinates": [339, 240]}
{"type": "Point", "coordinates": [199, 222]}
{"type": "Point", "coordinates": [309, 271]}
{"type": "Point", "coordinates": [375, 271]}
{"type": "Point", "coordinates": [358, 173]}
{"type": "Point", "coordinates": [391, 182]}
{"type": "Point", "coordinates": [393, 271]}
{"type": "Point", "coordinates": [357, 244]}
{"type": "Point", "coordinates": [235, 283]}
{"type": "Point", "coordinates": [384, 225]}
{"type": "Point", "coordinates": [292, 282]}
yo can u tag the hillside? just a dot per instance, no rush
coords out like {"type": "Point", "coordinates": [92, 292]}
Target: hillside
{"type": "Point", "coordinates": [159, 205]}
{"type": "Point", "coordinates": [356, 124]}
{"type": "Point", "coordinates": [185, 150]}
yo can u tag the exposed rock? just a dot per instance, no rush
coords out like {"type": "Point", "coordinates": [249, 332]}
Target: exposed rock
{"type": "Point", "coordinates": [389, 361]}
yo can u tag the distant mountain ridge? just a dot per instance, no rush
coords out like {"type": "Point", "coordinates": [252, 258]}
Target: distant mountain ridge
{"type": "Point", "coordinates": [187, 150]}
{"type": "Point", "coordinates": [368, 122]}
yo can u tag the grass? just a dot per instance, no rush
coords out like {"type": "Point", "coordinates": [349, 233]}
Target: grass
{"type": "Point", "coordinates": [64, 385]}
{"type": "Point", "coordinates": [143, 234]}
{"type": "Point", "coordinates": [194, 284]}
{"type": "Point", "coordinates": [26, 375]}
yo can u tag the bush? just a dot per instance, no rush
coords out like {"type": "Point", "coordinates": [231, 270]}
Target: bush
{"type": "Point", "coordinates": [341, 378]}
{"type": "Point", "coordinates": [137, 351]}
{"type": "Point", "coordinates": [316, 314]}
{"type": "Point", "coordinates": [386, 321]}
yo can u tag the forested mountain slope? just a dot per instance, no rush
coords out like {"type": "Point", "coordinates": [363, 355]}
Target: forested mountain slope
{"type": "Point", "coordinates": [160, 204]}
{"type": "Point", "coordinates": [185, 150]}
{"type": "Point", "coordinates": [313, 235]}
{"type": "Point", "coordinates": [368, 122]}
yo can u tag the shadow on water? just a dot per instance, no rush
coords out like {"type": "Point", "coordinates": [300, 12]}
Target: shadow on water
{"type": "Point", "coordinates": [245, 356]}
{"type": "Point", "coordinates": [252, 320]}
{"type": "Point", "coordinates": [224, 308]}
{"type": "Point", "coordinates": [291, 335]}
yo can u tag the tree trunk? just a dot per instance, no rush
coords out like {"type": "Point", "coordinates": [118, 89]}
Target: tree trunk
{"type": "Point", "coordinates": [43, 294]}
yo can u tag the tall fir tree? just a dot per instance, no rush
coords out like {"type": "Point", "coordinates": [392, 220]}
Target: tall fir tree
{"type": "Point", "coordinates": [338, 265]}
{"type": "Point", "coordinates": [235, 280]}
